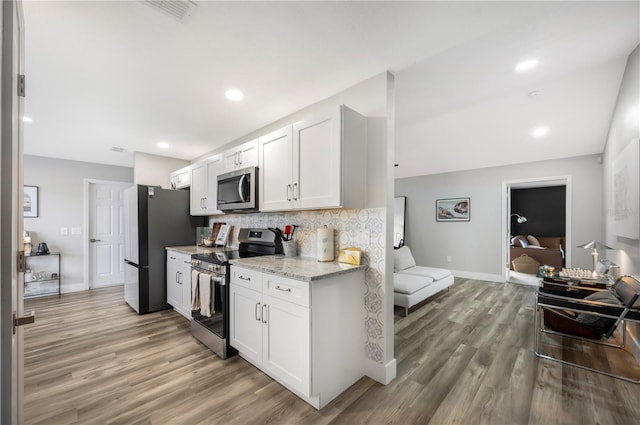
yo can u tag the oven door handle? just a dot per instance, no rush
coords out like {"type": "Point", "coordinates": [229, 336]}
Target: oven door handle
{"type": "Point", "coordinates": [219, 280]}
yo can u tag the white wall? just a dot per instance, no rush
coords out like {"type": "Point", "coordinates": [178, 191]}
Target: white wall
{"type": "Point", "coordinates": [154, 170]}
{"type": "Point", "coordinates": [625, 127]}
{"type": "Point", "coordinates": [61, 204]}
{"type": "Point", "coordinates": [476, 246]}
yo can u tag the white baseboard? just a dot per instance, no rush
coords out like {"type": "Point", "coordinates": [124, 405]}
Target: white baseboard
{"type": "Point", "coordinates": [81, 286]}
{"type": "Point", "coordinates": [478, 276]}
{"type": "Point", "coordinates": [383, 373]}
{"type": "Point", "coordinates": [73, 287]}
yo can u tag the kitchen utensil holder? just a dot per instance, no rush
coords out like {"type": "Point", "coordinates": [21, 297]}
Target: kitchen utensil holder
{"type": "Point", "coordinates": [290, 248]}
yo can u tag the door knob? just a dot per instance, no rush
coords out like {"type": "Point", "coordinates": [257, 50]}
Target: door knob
{"type": "Point", "coordinates": [94, 240]}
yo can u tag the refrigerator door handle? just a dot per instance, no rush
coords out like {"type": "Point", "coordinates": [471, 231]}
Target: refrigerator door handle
{"type": "Point", "coordinates": [131, 263]}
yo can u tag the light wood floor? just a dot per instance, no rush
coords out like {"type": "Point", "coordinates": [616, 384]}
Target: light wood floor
{"type": "Point", "coordinates": [464, 357]}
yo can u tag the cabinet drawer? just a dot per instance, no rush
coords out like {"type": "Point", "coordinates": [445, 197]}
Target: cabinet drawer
{"type": "Point", "coordinates": [179, 259]}
{"type": "Point", "coordinates": [251, 279]}
{"type": "Point", "coordinates": [286, 289]}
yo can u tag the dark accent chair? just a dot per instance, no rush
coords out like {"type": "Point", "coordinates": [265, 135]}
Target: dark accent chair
{"type": "Point", "coordinates": [589, 314]}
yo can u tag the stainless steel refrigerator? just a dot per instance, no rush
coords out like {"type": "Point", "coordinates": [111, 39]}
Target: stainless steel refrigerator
{"type": "Point", "coordinates": [154, 218]}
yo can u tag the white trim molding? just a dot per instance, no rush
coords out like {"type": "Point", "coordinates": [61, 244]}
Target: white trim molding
{"type": "Point", "coordinates": [383, 373]}
{"type": "Point", "coordinates": [507, 185]}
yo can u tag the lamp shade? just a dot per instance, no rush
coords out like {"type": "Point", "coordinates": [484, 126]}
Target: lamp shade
{"type": "Point", "coordinates": [594, 245]}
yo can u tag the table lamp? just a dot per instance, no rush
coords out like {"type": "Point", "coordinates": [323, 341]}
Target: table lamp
{"type": "Point", "coordinates": [594, 246]}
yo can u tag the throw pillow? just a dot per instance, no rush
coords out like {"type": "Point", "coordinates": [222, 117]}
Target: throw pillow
{"type": "Point", "coordinates": [601, 323]}
{"type": "Point", "coordinates": [533, 241]}
{"type": "Point", "coordinates": [520, 241]}
{"type": "Point", "coordinates": [402, 259]}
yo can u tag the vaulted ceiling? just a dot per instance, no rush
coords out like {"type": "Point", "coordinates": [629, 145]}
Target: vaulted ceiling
{"type": "Point", "coordinates": [122, 74]}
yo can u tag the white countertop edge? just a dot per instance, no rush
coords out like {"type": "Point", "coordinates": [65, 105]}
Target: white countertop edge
{"type": "Point", "coordinates": [273, 264]}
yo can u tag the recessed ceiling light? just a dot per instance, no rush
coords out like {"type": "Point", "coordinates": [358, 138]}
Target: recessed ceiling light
{"type": "Point", "coordinates": [162, 145]}
{"type": "Point", "coordinates": [540, 131]}
{"type": "Point", "coordinates": [118, 149]}
{"type": "Point", "coordinates": [27, 119]}
{"type": "Point", "coordinates": [527, 65]}
{"type": "Point", "coordinates": [235, 95]}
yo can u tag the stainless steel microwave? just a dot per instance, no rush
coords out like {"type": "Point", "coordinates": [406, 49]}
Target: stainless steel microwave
{"type": "Point", "coordinates": [238, 190]}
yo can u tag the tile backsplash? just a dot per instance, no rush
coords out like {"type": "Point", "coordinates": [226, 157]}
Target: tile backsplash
{"type": "Point", "coordinates": [364, 229]}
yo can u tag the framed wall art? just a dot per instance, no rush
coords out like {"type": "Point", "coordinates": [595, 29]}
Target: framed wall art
{"type": "Point", "coordinates": [453, 209]}
{"type": "Point", "coordinates": [31, 201]}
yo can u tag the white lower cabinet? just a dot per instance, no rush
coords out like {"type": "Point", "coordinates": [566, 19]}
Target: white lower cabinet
{"type": "Point", "coordinates": [179, 282]}
{"type": "Point", "coordinates": [246, 322]}
{"type": "Point", "coordinates": [285, 343]}
{"type": "Point", "coordinates": [316, 351]}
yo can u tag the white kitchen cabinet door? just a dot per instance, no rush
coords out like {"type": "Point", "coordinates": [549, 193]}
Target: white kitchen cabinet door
{"type": "Point", "coordinates": [198, 188]}
{"type": "Point", "coordinates": [286, 343]}
{"type": "Point", "coordinates": [179, 282]}
{"type": "Point", "coordinates": [317, 161]}
{"type": "Point", "coordinates": [245, 308]}
{"type": "Point", "coordinates": [241, 156]}
{"type": "Point", "coordinates": [204, 186]}
{"type": "Point", "coordinates": [249, 154]}
{"type": "Point", "coordinates": [174, 289]}
{"type": "Point", "coordinates": [184, 270]}
{"type": "Point", "coordinates": [213, 168]}
{"type": "Point", "coordinates": [276, 170]}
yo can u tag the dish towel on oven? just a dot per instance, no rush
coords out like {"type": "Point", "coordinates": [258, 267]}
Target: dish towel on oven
{"type": "Point", "coordinates": [206, 294]}
{"type": "Point", "coordinates": [195, 293]}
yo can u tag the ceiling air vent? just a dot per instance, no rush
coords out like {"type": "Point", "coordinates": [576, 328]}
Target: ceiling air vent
{"type": "Point", "coordinates": [180, 10]}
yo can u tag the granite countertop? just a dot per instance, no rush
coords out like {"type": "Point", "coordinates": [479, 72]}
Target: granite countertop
{"type": "Point", "coordinates": [193, 249]}
{"type": "Point", "coordinates": [299, 268]}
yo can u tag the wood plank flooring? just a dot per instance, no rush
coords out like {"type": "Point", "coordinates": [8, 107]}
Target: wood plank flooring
{"type": "Point", "coordinates": [464, 357]}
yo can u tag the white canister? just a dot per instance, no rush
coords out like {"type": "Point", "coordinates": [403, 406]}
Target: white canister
{"type": "Point", "coordinates": [325, 249]}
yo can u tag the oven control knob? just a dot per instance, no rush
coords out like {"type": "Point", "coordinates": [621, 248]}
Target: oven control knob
{"type": "Point", "coordinates": [195, 262]}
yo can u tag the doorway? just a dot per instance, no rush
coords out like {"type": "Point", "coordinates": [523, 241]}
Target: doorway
{"type": "Point", "coordinates": [546, 201]}
{"type": "Point", "coordinates": [104, 242]}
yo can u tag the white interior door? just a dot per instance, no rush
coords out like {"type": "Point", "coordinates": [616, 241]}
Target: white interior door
{"type": "Point", "coordinates": [106, 234]}
{"type": "Point", "coordinates": [11, 215]}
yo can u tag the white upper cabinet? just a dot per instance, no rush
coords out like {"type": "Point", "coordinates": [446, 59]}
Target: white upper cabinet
{"type": "Point", "coordinates": [319, 162]}
{"type": "Point", "coordinates": [181, 178]}
{"type": "Point", "coordinates": [276, 170]}
{"type": "Point", "coordinates": [204, 186]}
{"type": "Point", "coordinates": [241, 156]}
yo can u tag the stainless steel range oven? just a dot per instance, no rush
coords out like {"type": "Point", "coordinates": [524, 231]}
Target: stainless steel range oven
{"type": "Point", "coordinates": [213, 271]}
{"type": "Point", "coordinates": [212, 331]}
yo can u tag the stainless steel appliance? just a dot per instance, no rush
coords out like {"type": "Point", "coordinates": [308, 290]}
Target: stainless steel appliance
{"type": "Point", "coordinates": [154, 218]}
{"type": "Point", "coordinates": [238, 190]}
{"type": "Point", "coordinates": [214, 331]}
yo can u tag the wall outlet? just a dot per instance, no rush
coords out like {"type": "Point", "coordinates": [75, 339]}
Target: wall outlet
{"type": "Point", "coordinates": [76, 230]}
{"type": "Point", "coordinates": [64, 231]}
{"type": "Point", "coordinates": [449, 258]}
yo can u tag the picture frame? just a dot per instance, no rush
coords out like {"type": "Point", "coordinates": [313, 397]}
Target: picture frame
{"type": "Point", "coordinates": [453, 209]}
{"type": "Point", "coordinates": [223, 235]}
{"type": "Point", "coordinates": [31, 205]}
